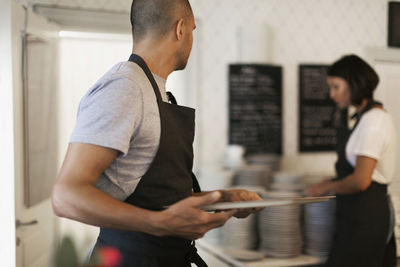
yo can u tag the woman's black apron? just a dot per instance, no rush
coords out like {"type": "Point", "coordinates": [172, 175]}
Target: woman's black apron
{"type": "Point", "coordinates": [362, 219]}
{"type": "Point", "coordinates": [168, 180]}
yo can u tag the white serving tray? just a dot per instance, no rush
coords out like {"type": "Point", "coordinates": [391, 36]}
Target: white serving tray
{"type": "Point", "coordinates": [264, 203]}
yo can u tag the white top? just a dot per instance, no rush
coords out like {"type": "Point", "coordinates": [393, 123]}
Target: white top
{"type": "Point", "coordinates": [375, 137]}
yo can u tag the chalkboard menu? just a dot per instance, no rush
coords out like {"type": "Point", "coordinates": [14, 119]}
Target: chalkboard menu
{"type": "Point", "coordinates": [319, 117]}
{"type": "Point", "coordinates": [394, 24]}
{"type": "Point", "coordinates": [255, 108]}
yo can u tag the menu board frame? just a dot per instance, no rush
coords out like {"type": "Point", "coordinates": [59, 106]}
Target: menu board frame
{"type": "Point", "coordinates": [261, 108]}
{"type": "Point", "coordinates": [317, 142]}
{"type": "Point", "coordinates": [394, 24]}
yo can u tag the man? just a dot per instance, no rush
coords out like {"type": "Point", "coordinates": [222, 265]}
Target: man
{"type": "Point", "coordinates": [128, 168]}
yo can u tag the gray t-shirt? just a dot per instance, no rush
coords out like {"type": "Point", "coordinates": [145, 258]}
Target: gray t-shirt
{"type": "Point", "coordinates": [120, 112]}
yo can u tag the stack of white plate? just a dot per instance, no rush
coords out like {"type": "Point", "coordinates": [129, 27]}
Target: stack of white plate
{"type": "Point", "coordinates": [215, 178]}
{"type": "Point", "coordinates": [287, 177]}
{"type": "Point", "coordinates": [286, 182]}
{"type": "Point", "coordinates": [253, 175]}
{"type": "Point", "coordinates": [213, 236]}
{"type": "Point", "coordinates": [240, 233]}
{"type": "Point", "coordinates": [270, 160]}
{"type": "Point", "coordinates": [244, 255]}
{"type": "Point", "coordinates": [319, 223]}
{"type": "Point", "coordinates": [286, 187]}
{"type": "Point", "coordinates": [309, 179]}
{"type": "Point", "coordinates": [280, 228]}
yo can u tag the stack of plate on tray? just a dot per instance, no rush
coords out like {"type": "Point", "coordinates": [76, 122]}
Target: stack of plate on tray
{"type": "Point", "coordinates": [319, 222]}
{"type": "Point", "coordinates": [253, 175]}
{"type": "Point", "coordinates": [280, 227]}
{"type": "Point", "coordinates": [240, 233]}
{"type": "Point", "coordinates": [286, 181]}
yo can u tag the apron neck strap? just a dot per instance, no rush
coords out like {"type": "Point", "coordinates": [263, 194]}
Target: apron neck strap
{"type": "Point", "coordinates": [171, 98]}
{"type": "Point", "coordinates": [140, 61]}
{"type": "Point", "coordinates": [371, 103]}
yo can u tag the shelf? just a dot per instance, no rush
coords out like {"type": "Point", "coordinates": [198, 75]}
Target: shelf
{"type": "Point", "coordinates": [218, 252]}
{"type": "Point", "coordinates": [383, 54]}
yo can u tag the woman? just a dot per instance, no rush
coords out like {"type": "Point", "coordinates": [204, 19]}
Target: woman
{"type": "Point", "coordinates": [365, 166]}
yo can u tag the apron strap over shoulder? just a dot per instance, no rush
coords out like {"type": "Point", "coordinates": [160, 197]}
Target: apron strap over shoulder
{"type": "Point", "coordinates": [140, 61]}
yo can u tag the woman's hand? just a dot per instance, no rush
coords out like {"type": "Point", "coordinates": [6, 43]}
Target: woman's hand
{"type": "Point", "coordinates": [356, 182]}
{"type": "Point", "coordinates": [237, 195]}
{"type": "Point", "coordinates": [320, 189]}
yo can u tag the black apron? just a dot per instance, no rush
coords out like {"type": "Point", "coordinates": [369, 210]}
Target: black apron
{"type": "Point", "coordinates": [168, 180]}
{"type": "Point", "coordinates": [362, 219]}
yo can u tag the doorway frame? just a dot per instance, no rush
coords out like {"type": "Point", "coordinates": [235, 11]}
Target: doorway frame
{"type": "Point", "coordinates": [7, 162]}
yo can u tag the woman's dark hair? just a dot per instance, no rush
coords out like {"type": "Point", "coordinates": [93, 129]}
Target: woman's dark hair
{"type": "Point", "coordinates": [360, 76]}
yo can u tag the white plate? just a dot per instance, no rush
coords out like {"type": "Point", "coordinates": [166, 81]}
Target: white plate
{"type": "Point", "coordinates": [264, 203]}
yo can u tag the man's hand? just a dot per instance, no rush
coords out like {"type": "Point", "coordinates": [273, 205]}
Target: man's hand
{"type": "Point", "coordinates": [236, 195]}
{"type": "Point", "coordinates": [186, 219]}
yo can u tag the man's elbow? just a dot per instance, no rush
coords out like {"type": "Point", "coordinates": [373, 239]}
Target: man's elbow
{"type": "Point", "coordinates": [57, 200]}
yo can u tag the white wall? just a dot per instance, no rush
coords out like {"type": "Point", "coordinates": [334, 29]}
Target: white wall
{"type": "Point", "coordinates": [7, 201]}
{"type": "Point", "coordinates": [36, 241]}
{"type": "Point", "coordinates": [298, 31]}
{"type": "Point", "coordinates": [84, 58]}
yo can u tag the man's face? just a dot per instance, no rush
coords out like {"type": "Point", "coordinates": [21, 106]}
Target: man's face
{"type": "Point", "coordinates": [184, 51]}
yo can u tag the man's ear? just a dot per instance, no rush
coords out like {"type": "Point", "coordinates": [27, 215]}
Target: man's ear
{"type": "Point", "coordinates": [179, 29]}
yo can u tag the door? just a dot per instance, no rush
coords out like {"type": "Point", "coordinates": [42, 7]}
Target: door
{"type": "Point", "coordinates": [34, 116]}
{"type": "Point", "coordinates": [389, 93]}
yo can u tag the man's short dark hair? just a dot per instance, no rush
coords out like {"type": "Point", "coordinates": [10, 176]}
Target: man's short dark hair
{"type": "Point", "coordinates": [156, 16]}
{"type": "Point", "coordinates": [360, 76]}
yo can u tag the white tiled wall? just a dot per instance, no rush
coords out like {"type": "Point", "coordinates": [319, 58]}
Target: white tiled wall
{"type": "Point", "coordinates": [290, 32]}
{"type": "Point", "coordinates": [305, 31]}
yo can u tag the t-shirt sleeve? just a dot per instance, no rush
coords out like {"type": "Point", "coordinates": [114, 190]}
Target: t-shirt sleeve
{"type": "Point", "coordinates": [370, 142]}
{"type": "Point", "coordinates": [109, 114]}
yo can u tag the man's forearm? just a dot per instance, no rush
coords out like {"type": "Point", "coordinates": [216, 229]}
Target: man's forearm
{"type": "Point", "coordinates": [87, 204]}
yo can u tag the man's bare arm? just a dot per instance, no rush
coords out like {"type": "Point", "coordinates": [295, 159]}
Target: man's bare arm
{"type": "Point", "coordinates": [76, 197]}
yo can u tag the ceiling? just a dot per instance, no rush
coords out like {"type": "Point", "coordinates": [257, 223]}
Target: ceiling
{"type": "Point", "coordinates": [103, 5]}
{"type": "Point", "coordinates": [85, 15]}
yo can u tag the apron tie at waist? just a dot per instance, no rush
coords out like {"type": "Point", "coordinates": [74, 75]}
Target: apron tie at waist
{"type": "Point", "coordinates": [194, 257]}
